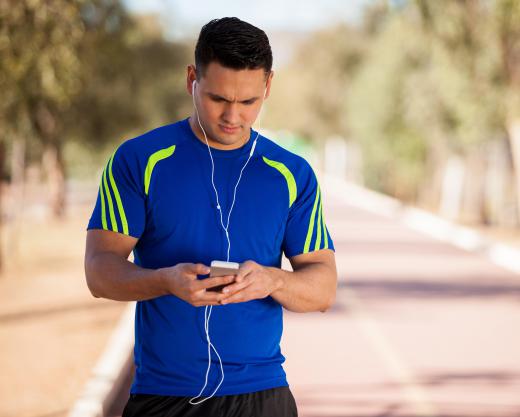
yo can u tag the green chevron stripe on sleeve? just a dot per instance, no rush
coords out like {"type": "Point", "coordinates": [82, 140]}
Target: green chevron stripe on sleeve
{"type": "Point", "coordinates": [326, 237]}
{"type": "Point", "coordinates": [311, 224]}
{"type": "Point", "coordinates": [103, 210]}
{"type": "Point", "coordinates": [318, 232]}
{"type": "Point", "coordinates": [289, 177]}
{"type": "Point", "coordinates": [110, 205]}
{"type": "Point", "coordinates": [152, 160]}
{"type": "Point", "coordinates": [120, 208]}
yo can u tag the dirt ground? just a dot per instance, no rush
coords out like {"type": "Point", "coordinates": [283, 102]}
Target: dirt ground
{"type": "Point", "coordinates": [52, 330]}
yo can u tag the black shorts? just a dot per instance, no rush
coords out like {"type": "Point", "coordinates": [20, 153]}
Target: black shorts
{"type": "Point", "coordinates": [274, 402]}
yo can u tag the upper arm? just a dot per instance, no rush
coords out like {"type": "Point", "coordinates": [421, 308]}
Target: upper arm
{"type": "Point", "coordinates": [324, 256]}
{"type": "Point", "coordinates": [103, 241]}
{"type": "Point", "coordinates": [118, 218]}
{"type": "Point", "coordinates": [121, 201]}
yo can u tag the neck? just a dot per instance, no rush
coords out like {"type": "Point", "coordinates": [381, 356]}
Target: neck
{"type": "Point", "coordinates": [194, 124]}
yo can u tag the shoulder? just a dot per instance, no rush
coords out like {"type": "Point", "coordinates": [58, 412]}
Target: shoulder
{"type": "Point", "coordinates": [274, 154]}
{"type": "Point", "coordinates": [161, 139]}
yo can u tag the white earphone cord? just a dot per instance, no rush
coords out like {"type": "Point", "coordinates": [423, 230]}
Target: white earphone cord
{"type": "Point", "coordinates": [206, 315]}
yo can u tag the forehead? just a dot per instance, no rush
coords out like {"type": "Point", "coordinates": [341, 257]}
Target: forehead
{"type": "Point", "coordinates": [218, 78]}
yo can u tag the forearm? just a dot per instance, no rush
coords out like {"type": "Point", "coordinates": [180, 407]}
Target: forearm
{"type": "Point", "coordinates": [312, 288]}
{"type": "Point", "coordinates": [110, 276]}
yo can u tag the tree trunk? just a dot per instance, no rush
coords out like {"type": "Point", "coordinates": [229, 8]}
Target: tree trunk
{"type": "Point", "coordinates": [17, 198]}
{"type": "Point", "coordinates": [452, 188]}
{"type": "Point", "coordinates": [55, 172]}
{"type": "Point", "coordinates": [499, 181]}
{"type": "Point", "coordinates": [473, 204]}
{"type": "Point", "coordinates": [48, 126]}
{"type": "Point", "coordinates": [430, 192]}
{"type": "Point", "coordinates": [2, 164]}
{"type": "Point", "coordinates": [513, 130]}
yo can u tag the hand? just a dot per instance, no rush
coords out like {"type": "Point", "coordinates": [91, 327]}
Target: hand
{"type": "Point", "coordinates": [252, 282]}
{"type": "Point", "coordinates": [181, 280]}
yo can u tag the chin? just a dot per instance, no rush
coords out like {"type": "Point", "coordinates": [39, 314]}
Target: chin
{"type": "Point", "coordinates": [223, 140]}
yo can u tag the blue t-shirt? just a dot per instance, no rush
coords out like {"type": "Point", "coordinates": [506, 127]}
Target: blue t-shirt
{"type": "Point", "coordinates": [157, 188]}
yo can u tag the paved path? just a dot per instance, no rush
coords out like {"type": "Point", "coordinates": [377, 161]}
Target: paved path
{"type": "Point", "coordinates": [419, 328]}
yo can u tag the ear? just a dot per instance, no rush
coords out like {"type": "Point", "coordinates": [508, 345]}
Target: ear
{"type": "Point", "coordinates": [191, 76]}
{"type": "Point", "coordinates": [268, 85]}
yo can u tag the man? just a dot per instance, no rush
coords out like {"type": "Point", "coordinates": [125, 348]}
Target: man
{"type": "Point", "coordinates": [211, 188]}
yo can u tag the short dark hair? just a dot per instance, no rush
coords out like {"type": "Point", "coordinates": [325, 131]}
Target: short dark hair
{"type": "Point", "coordinates": [234, 44]}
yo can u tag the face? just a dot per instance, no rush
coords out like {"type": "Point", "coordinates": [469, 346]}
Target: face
{"type": "Point", "coordinates": [228, 102]}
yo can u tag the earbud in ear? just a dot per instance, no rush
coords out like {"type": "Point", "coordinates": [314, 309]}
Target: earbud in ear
{"type": "Point", "coordinates": [193, 86]}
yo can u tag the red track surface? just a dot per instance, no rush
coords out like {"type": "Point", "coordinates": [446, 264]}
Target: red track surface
{"type": "Point", "coordinates": [419, 328]}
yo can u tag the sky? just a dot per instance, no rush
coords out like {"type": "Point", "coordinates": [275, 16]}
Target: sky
{"type": "Point", "coordinates": [184, 18]}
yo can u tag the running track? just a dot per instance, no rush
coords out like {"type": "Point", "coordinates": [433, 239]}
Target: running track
{"type": "Point", "coordinates": [419, 328]}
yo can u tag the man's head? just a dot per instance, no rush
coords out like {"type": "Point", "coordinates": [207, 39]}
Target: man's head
{"type": "Point", "coordinates": [234, 44]}
{"type": "Point", "coordinates": [233, 69]}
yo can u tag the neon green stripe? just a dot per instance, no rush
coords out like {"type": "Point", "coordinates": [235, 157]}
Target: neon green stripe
{"type": "Point", "coordinates": [326, 237]}
{"type": "Point", "coordinates": [103, 211]}
{"type": "Point", "coordinates": [311, 225]}
{"type": "Point", "coordinates": [110, 205]}
{"type": "Point", "coordinates": [122, 214]}
{"type": "Point", "coordinates": [152, 160]}
{"type": "Point", "coordinates": [289, 177]}
{"type": "Point", "coordinates": [318, 232]}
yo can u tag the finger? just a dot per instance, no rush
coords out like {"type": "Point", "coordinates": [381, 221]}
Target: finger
{"type": "Point", "coordinates": [214, 281]}
{"type": "Point", "coordinates": [198, 269]}
{"type": "Point", "coordinates": [237, 286]}
{"type": "Point", "coordinates": [245, 269]}
{"type": "Point", "coordinates": [209, 298]}
{"type": "Point", "coordinates": [206, 303]}
{"type": "Point", "coordinates": [238, 297]}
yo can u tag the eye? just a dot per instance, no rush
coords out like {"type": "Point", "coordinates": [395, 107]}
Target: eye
{"type": "Point", "coordinates": [248, 102]}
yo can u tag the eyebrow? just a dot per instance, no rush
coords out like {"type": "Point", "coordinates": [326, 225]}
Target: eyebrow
{"type": "Point", "coordinates": [216, 96]}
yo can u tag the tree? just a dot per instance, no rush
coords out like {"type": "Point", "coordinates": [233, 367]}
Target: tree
{"type": "Point", "coordinates": [480, 41]}
{"type": "Point", "coordinates": [376, 107]}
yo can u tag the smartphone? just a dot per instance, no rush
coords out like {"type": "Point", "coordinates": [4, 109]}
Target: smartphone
{"type": "Point", "coordinates": [222, 268]}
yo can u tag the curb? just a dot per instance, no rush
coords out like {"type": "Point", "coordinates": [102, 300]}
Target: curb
{"type": "Point", "coordinates": [109, 372]}
{"type": "Point", "coordinates": [501, 254]}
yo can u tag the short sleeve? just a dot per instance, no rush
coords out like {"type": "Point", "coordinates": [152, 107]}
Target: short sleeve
{"type": "Point", "coordinates": [306, 230]}
{"type": "Point", "coordinates": [120, 204]}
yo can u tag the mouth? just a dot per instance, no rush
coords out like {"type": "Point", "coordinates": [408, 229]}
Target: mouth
{"type": "Point", "coordinates": [229, 129]}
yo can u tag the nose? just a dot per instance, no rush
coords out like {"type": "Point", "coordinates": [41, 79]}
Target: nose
{"type": "Point", "coordinates": [231, 114]}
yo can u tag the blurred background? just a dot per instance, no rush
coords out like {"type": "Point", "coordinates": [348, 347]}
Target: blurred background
{"type": "Point", "coordinates": [418, 100]}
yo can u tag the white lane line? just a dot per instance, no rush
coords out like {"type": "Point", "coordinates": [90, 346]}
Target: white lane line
{"type": "Point", "coordinates": [414, 394]}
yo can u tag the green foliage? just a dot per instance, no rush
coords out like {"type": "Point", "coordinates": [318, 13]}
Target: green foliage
{"type": "Point", "coordinates": [394, 150]}
{"type": "Point", "coordinates": [38, 41]}
{"type": "Point", "coordinates": [134, 83]}
{"type": "Point", "coordinates": [417, 81]}
{"type": "Point", "coordinates": [308, 94]}
{"type": "Point", "coordinates": [84, 71]}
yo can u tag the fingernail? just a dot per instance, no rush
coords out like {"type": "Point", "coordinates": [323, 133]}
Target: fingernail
{"type": "Point", "coordinates": [225, 290]}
